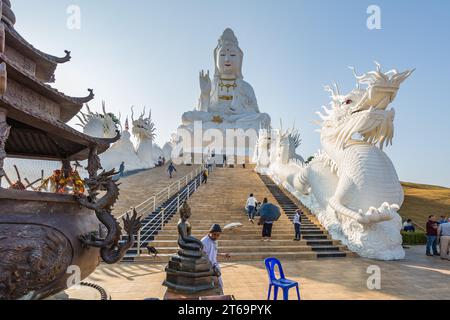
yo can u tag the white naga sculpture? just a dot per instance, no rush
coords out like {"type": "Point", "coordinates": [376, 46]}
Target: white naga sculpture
{"type": "Point", "coordinates": [261, 156]}
{"type": "Point", "coordinates": [144, 131]}
{"type": "Point", "coordinates": [106, 124]}
{"type": "Point", "coordinates": [226, 102]}
{"type": "Point", "coordinates": [352, 185]}
{"type": "Point", "coordinates": [99, 125]}
{"type": "Point", "coordinates": [276, 154]}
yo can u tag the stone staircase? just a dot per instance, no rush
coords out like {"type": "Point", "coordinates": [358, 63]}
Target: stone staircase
{"type": "Point", "coordinates": [222, 201]}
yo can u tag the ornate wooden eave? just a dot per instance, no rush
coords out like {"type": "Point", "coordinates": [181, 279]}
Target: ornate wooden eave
{"type": "Point", "coordinates": [45, 62]}
{"type": "Point", "coordinates": [37, 136]}
{"type": "Point", "coordinates": [71, 106]}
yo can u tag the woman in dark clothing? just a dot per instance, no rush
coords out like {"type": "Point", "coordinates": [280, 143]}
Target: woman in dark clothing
{"type": "Point", "coordinates": [267, 226]}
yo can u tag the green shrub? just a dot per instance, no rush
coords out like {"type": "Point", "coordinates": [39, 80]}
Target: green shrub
{"type": "Point", "coordinates": [414, 238]}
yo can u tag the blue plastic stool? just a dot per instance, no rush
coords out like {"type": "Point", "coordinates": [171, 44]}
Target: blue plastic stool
{"type": "Point", "coordinates": [282, 283]}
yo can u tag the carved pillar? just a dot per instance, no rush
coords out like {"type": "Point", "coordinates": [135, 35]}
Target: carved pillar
{"type": "Point", "coordinates": [4, 134]}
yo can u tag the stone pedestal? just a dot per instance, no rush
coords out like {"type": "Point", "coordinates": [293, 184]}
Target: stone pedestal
{"type": "Point", "coordinates": [191, 276]}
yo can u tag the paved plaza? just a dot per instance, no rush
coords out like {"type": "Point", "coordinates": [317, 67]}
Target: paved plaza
{"type": "Point", "coordinates": [415, 277]}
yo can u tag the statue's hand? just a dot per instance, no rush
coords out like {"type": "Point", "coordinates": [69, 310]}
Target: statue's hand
{"type": "Point", "coordinates": [205, 83]}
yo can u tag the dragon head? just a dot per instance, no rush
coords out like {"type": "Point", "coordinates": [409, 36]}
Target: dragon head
{"type": "Point", "coordinates": [99, 125]}
{"type": "Point", "coordinates": [143, 128]}
{"type": "Point", "coordinates": [363, 114]}
{"type": "Point", "coordinates": [288, 142]}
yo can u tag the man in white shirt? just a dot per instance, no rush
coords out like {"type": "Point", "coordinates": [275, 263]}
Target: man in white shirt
{"type": "Point", "coordinates": [211, 248]}
{"type": "Point", "coordinates": [443, 236]}
{"type": "Point", "coordinates": [251, 208]}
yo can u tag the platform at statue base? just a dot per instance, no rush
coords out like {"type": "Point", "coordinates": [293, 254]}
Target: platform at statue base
{"type": "Point", "coordinates": [416, 277]}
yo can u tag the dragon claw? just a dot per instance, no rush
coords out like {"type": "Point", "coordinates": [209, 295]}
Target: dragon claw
{"type": "Point", "coordinates": [385, 213]}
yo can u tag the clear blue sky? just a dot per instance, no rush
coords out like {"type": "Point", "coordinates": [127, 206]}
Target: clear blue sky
{"type": "Point", "coordinates": [149, 53]}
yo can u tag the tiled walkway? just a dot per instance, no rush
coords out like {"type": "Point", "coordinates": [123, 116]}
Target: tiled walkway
{"type": "Point", "coordinates": [416, 277]}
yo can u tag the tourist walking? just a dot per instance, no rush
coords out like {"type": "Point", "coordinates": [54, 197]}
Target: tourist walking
{"type": "Point", "coordinates": [251, 208]}
{"type": "Point", "coordinates": [267, 225]}
{"type": "Point", "coordinates": [211, 249]}
{"type": "Point", "coordinates": [171, 169]}
{"type": "Point", "coordinates": [205, 176]}
{"type": "Point", "coordinates": [298, 224]}
{"type": "Point", "coordinates": [122, 169]}
{"type": "Point", "coordinates": [432, 228]}
{"type": "Point", "coordinates": [443, 235]}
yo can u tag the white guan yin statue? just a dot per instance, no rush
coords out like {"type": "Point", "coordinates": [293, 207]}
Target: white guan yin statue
{"type": "Point", "coordinates": [144, 131]}
{"type": "Point", "coordinates": [226, 101]}
{"type": "Point", "coordinates": [352, 185]}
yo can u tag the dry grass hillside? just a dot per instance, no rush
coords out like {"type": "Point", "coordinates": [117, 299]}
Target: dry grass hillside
{"type": "Point", "coordinates": [423, 200]}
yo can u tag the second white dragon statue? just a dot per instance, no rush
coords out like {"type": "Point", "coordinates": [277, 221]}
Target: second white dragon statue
{"type": "Point", "coordinates": [351, 185]}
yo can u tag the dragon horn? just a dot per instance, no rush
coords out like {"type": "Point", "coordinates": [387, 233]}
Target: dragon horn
{"type": "Point", "coordinates": [132, 113]}
{"type": "Point", "coordinates": [338, 92]}
{"type": "Point", "coordinates": [88, 109]}
{"type": "Point", "coordinates": [81, 120]}
{"type": "Point", "coordinates": [104, 107]}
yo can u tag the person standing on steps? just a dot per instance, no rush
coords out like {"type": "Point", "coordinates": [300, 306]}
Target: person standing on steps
{"type": "Point", "coordinates": [251, 208]}
{"type": "Point", "coordinates": [171, 169]}
{"type": "Point", "coordinates": [267, 226]}
{"type": "Point", "coordinates": [298, 224]}
{"type": "Point", "coordinates": [211, 249]}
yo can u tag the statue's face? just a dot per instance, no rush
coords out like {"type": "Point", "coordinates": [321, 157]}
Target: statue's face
{"type": "Point", "coordinates": [228, 61]}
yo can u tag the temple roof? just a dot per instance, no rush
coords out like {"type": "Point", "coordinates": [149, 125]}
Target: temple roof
{"type": "Point", "coordinates": [46, 63]}
{"type": "Point", "coordinates": [37, 136]}
{"type": "Point", "coordinates": [70, 106]}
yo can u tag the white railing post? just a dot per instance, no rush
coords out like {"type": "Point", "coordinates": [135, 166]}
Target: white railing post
{"type": "Point", "coordinates": [178, 203]}
{"type": "Point", "coordinates": [138, 243]}
{"type": "Point", "coordinates": [179, 185]}
{"type": "Point", "coordinates": [188, 191]}
{"type": "Point", "coordinates": [154, 203]}
{"type": "Point", "coordinates": [162, 218]}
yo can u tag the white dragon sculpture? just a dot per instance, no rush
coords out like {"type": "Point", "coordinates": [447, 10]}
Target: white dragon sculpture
{"type": "Point", "coordinates": [99, 125]}
{"type": "Point", "coordinates": [261, 156]}
{"type": "Point", "coordinates": [275, 153]}
{"type": "Point", "coordinates": [104, 125]}
{"type": "Point", "coordinates": [144, 131]}
{"type": "Point", "coordinates": [352, 185]}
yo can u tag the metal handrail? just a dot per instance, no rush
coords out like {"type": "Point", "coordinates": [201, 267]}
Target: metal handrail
{"type": "Point", "coordinates": [163, 195]}
{"type": "Point", "coordinates": [175, 204]}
